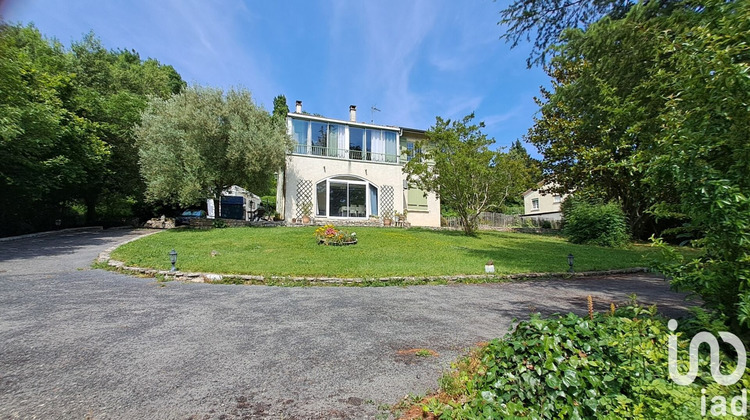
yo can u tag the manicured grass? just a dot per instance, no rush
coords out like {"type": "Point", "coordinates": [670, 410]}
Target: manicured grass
{"type": "Point", "coordinates": [380, 253]}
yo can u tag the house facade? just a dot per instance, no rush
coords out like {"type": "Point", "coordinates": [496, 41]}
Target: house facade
{"type": "Point", "coordinates": [542, 206]}
{"type": "Point", "coordinates": [350, 171]}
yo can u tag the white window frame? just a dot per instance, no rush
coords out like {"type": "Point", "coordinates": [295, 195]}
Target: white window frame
{"type": "Point", "coordinates": [337, 179]}
{"type": "Point", "coordinates": [534, 204]}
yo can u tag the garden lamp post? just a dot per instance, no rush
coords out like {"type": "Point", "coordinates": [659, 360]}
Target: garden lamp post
{"type": "Point", "coordinates": [570, 263]}
{"type": "Point", "coordinates": [173, 259]}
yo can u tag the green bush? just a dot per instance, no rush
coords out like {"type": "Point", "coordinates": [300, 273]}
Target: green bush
{"type": "Point", "coordinates": [612, 365]}
{"type": "Point", "coordinates": [595, 224]}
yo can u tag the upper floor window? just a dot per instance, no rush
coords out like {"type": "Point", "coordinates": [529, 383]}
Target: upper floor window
{"type": "Point", "coordinates": [344, 141]}
{"type": "Point", "coordinates": [556, 198]}
{"type": "Point", "coordinates": [299, 133]}
{"type": "Point", "coordinates": [535, 204]}
{"type": "Point", "coordinates": [412, 150]}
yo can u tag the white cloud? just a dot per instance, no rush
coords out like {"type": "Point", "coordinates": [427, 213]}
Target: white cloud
{"type": "Point", "coordinates": [390, 36]}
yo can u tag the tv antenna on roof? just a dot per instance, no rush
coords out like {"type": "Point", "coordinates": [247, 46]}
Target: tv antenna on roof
{"type": "Point", "coordinates": [373, 109]}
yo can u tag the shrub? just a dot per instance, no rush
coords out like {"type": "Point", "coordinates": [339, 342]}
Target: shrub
{"type": "Point", "coordinates": [612, 365]}
{"type": "Point", "coordinates": [595, 224]}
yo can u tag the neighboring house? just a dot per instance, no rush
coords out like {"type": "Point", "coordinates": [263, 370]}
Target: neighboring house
{"type": "Point", "coordinates": [350, 171]}
{"type": "Point", "coordinates": [542, 206]}
{"type": "Point", "coordinates": [236, 203]}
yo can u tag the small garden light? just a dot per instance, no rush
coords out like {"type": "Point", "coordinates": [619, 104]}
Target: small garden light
{"type": "Point", "coordinates": [570, 262]}
{"type": "Point", "coordinates": [173, 259]}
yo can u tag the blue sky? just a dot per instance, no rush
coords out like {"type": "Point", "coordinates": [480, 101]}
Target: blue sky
{"type": "Point", "coordinates": [413, 59]}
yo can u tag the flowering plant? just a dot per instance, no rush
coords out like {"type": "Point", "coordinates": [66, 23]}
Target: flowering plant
{"type": "Point", "coordinates": [329, 235]}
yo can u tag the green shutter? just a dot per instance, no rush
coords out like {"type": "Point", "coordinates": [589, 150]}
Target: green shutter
{"type": "Point", "coordinates": [416, 200]}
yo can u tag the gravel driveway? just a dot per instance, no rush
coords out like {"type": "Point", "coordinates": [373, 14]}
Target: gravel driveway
{"type": "Point", "coordinates": [83, 343]}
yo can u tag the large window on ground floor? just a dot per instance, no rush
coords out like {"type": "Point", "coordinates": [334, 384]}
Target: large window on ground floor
{"type": "Point", "coordinates": [346, 197]}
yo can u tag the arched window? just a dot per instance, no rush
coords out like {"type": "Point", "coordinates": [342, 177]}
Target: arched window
{"type": "Point", "coordinates": [346, 196]}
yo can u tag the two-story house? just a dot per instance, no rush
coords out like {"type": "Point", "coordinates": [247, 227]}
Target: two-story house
{"type": "Point", "coordinates": [350, 171]}
{"type": "Point", "coordinates": [542, 206]}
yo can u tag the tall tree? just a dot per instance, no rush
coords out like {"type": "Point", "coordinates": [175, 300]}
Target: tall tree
{"type": "Point", "coordinates": [546, 20]}
{"type": "Point", "coordinates": [457, 164]}
{"type": "Point", "coordinates": [598, 126]}
{"type": "Point", "coordinates": [197, 143]}
{"type": "Point", "coordinates": [49, 152]}
{"type": "Point", "coordinates": [650, 108]}
{"type": "Point", "coordinates": [280, 108]}
{"type": "Point", "coordinates": [112, 89]}
{"type": "Point", "coordinates": [518, 150]}
{"type": "Point", "coordinates": [703, 148]}
{"type": "Point", "coordinates": [67, 123]}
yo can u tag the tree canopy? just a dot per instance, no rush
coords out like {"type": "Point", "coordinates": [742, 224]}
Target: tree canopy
{"type": "Point", "coordinates": [546, 20]}
{"type": "Point", "coordinates": [66, 118]}
{"type": "Point", "coordinates": [649, 109]}
{"type": "Point", "coordinates": [456, 163]}
{"type": "Point", "coordinates": [197, 143]}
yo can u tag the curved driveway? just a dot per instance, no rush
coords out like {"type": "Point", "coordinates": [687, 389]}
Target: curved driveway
{"type": "Point", "coordinates": [82, 343]}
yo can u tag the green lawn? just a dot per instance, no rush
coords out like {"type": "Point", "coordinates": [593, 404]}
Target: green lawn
{"type": "Point", "coordinates": [379, 253]}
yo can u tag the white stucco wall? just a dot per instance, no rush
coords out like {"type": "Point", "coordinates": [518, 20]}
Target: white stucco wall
{"type": "Point", "coordinates": [318, 168]}
{"type": "Point", "coordinates": [547, 204]}
{"type": "Point", "coordinates": [430, 218]}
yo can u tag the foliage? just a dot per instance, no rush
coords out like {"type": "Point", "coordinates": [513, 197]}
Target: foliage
{"type": "Point", "coordinates": [380, 253]}
{"type": "Point", "coordinates": [66, 127]}
{"type": "Point", "coordinates": [457, 164]}
{"type": "Point", "coordinates": [704, 153]}
{"type": "Point", "coordinates": [612, 365]}
{"type": "Point", "coordinates": [595, 224]}
{"type": "Point", "coordinates": [329, 235]}
{"type": "Point", "coordinates": [599, 125]}
{"type": "Point", "coordinates": [219, 224]}
{"type": "Point", "coordinates": [547, 19]}
{"type": "Point", "coordinates": [201, 141]}
{"type": "Point", "coordinates": [658, 97]}
{"type": "Point", "coordinates": [280, 109]}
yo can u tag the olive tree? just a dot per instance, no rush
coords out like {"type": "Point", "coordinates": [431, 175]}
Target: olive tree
{"type": "Point", "coordinates": [202, 140]}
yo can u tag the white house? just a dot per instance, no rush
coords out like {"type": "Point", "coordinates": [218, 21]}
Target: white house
{"type": "Point", "coordinates": [542, 206]}
{"type": "Point", "coordinates": [350, 171]}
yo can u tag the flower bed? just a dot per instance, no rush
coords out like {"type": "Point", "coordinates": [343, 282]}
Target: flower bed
{"type": "Point", "coordinates": [329, 235]}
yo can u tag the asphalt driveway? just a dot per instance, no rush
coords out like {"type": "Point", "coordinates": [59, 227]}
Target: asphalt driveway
{"type": "Point", "coordinates": [82, 343]}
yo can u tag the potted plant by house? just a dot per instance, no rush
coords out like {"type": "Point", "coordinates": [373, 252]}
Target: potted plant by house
{"type": "Point", "coordinates": [306, 209]}
{"type": "Point", "coordinates": [387, 217]}
{"type": "Point", "coordinates": [401, 217]}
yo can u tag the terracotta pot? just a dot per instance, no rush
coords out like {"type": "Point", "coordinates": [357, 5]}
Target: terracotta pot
{"type": "Point", "coordinates": [387, 222]}
{"type": "Point", "coordinates": [305, 219]}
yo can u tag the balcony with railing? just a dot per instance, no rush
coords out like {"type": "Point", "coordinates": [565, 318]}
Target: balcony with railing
{"type": "Point", "coordinates": [333, 152]}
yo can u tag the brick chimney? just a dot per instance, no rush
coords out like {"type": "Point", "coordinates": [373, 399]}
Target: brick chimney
{"type": "Point", "coordinates": [353, 113]}
{"type": "Point", "coordinates": [298, 107]}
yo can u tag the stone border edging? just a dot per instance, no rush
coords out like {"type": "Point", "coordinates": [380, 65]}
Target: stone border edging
{"type": "Point", "coordinates": [199, 277]}
{"type": "Point", "coordinates": [51, 232]}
